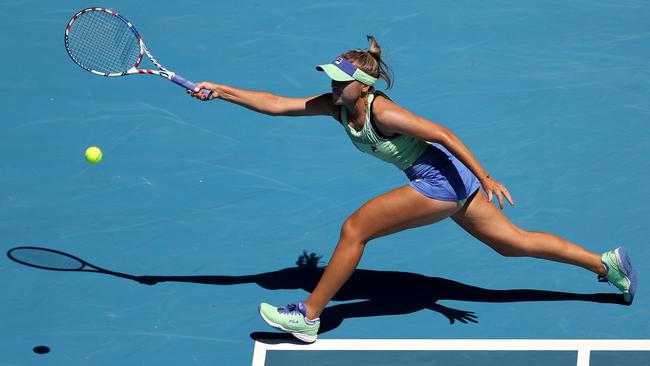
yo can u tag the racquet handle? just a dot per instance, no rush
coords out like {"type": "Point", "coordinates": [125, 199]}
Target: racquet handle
{"type": "Point", "coordinates": [189, 85]}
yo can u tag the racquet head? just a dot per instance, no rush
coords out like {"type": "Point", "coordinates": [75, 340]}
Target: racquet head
{"type": "Point", "coordinates": [45, 259]}
{"type": "Point", "coordinates": [103, 42]}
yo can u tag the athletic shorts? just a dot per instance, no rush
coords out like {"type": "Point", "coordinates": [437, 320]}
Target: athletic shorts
{"type": "Point", "coordinates": [439, 175]}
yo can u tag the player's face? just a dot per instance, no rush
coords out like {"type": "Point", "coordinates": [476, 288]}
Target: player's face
{"type": "Point", "coordinates": [346, 92]}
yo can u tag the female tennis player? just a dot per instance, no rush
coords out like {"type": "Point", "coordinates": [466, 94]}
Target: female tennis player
{"type": "Point", "coordinates": [444, 176]}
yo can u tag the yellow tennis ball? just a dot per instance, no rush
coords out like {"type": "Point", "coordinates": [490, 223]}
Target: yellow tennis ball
{"type": "Point", "coordinates": [93, 155]}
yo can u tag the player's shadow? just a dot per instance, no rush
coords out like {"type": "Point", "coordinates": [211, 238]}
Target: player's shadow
{"type": "Point", "coordinates": [384, 292]}
{"type": "Point", "coordinates": [367, 292]}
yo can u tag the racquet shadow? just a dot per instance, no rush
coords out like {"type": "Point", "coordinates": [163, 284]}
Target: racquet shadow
{"type": "Point", "coordinates": [376, 293]}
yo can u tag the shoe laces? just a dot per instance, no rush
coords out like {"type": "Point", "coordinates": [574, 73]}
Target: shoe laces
{"type": "Point", "coordinates": [291, 308]}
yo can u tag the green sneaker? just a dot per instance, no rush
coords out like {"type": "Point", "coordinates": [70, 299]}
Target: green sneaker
{"type": "Point", "coordinates": [291, 319]}
{"type": "Point", "coordinates": [620, 272]}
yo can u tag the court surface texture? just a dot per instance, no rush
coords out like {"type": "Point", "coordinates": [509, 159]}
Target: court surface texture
{"type": "Point", "coordinates": [224, 208]}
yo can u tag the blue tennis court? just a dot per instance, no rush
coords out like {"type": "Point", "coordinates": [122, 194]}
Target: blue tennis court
{"type": "Point", "coordinates": [221, 208]}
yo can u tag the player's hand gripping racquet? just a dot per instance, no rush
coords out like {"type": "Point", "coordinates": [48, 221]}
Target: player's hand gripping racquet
{"type": "Point", "coordinates": [104, 43]}
{"type": "Point", "coordinates": [55, 260]}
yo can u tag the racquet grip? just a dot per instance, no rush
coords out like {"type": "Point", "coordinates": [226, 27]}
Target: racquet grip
{"type": "Point", "coordinates": [189, 85]}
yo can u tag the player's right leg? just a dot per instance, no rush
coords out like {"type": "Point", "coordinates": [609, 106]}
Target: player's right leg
{"type": "Point", "coordinates": [391, 212]}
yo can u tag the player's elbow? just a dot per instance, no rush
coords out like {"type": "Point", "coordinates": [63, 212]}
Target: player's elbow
{"type": "Point", "coordinates": [274, 113]}
{"type": "Point", "coordinates": [273, 105]}
{"type": "Point", "coordinates": [278, 106]}
{"type": "Point", "coordinates": [442, 135]}
{"type": "Point", "coordinates": [437, 133]}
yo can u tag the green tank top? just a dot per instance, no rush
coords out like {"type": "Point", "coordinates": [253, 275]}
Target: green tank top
{"type": "Point", "coordinates": [399, 150]}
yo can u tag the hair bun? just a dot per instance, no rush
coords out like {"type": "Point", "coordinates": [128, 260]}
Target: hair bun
{"type": "Point", "coordinates": [374, 50]}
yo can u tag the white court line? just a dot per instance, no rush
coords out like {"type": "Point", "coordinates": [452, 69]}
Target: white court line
{"type": "Point", "coordinates": [582, 346]}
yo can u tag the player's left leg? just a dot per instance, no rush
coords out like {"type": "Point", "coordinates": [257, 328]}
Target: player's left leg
{"type": "Point", "coordinates": [487, 223]}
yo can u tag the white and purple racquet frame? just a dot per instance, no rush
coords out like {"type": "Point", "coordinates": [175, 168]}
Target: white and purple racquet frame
{"type": "Point", "coordinates": [103, 42]}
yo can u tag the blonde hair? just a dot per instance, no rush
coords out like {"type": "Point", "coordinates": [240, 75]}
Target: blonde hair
{"type": "Point", "coordinates": [370, 61]}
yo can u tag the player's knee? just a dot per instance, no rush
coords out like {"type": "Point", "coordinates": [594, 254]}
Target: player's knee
{"type": "Point", "coordinates": [517, 245]}
{"type": "Point", "coordinates": [352, 232]}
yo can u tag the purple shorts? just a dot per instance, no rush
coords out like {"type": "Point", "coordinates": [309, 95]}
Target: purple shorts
{"type": "Point", "coordinates": [439, 175]}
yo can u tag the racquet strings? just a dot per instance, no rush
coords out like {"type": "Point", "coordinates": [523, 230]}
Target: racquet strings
{"type": "Point", "coordinates": [45, 259]}
{"type": "Point", "coordinates": [100, 41]}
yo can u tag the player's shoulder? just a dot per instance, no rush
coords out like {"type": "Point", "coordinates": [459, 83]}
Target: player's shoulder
{"type": "Point", "coordinates": [335, 111]}
{"type": "Point", "coordinates": [320, 104]}
{"type": "Point", "coordinates": [383, 107]}
{"type": "Point", "coordinates": [381, 97]}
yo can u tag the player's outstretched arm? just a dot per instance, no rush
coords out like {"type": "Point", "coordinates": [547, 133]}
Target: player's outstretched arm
{"type": "Point", "coordinates": [269, 103]}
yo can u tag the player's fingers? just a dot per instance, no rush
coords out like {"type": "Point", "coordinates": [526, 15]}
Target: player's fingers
{"type": "Point", "coordinates": [508, 197]}
{"type": "Point", "coordinates": [500, 198]}
{"type": "Point", "coordinates": [205, 85]}
{"type": "Point", "coordinates": [192, 93]}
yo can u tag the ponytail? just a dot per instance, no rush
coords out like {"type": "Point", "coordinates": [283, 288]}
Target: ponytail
{"type": "Point", "coordinates": [370, 61]}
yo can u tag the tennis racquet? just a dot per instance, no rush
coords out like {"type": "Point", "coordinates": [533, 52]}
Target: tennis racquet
{"type": "Point", "coordinates": [55, 260]}
{"type": "Point", "coordinates": [103, 42]}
